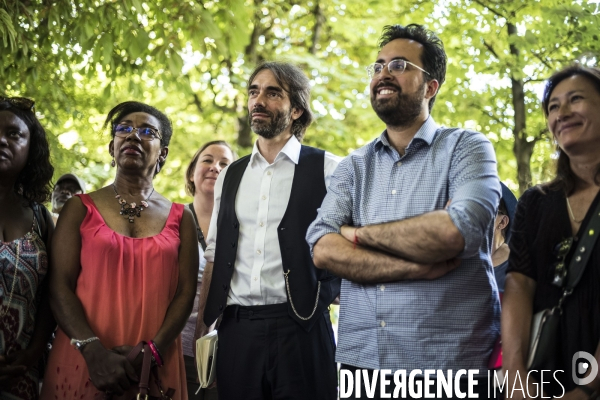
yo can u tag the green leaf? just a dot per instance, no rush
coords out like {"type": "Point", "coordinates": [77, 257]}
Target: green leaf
{"type": "Point", "coordinates": [7, 30]}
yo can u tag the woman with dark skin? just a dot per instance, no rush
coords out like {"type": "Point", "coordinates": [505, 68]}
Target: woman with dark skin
{"type": "Point", "coordinates": [127, 265]}
{"type": "Point", "coordinates": [25, 318]}
{"type": "Point", "coordinates": [547, 215]}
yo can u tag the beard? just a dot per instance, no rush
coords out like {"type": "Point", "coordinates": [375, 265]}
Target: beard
{"type": "Point", "coordinates": [401, 110]}
{"type": "Point", "coordinates": [279, 122]}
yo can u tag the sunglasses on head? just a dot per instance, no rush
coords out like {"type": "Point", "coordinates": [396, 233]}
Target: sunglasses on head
{"type": "Point", "coordinates": [22, 103]}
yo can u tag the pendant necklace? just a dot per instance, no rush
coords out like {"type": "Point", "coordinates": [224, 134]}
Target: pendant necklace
{"type": "Point", "coordinates": [131, 210]}
{"type": "Point", "coordinates": [571, 212]}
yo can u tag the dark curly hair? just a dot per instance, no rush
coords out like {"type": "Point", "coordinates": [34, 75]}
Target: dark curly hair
{"type": "Point", "coordinates": [33, 182]}
{"type": "Point", "coordinates": [565, 177]}
{"type": "Point", "coordinates": [296, 85]}
{"type": "Point", "coordinates": [190, 188]}
{"type": "Point", "coordinates": [121, 110]}
{"type": "Point", "coordinates": [433, 58]}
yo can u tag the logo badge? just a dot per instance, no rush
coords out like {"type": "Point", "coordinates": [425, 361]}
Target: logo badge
{"type": "Point", "coordinates": [580, 367]}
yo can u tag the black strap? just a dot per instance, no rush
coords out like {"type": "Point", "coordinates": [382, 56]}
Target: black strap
{"type": "Point", "coordinates": [40, 214]}
{"type": "Point", "coordinates": [584, 249]}
{"type": "Point", "coordinates": [198, 229]}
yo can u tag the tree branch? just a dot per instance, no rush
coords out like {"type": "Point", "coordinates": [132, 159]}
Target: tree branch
{"type": "Point", "coordinates": [490, 9]}
{"type": "Point", "coordinates": [491, 49]}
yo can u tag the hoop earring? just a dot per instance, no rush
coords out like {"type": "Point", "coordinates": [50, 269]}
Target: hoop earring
{"type": "Point", "coordinates": [113, 163]}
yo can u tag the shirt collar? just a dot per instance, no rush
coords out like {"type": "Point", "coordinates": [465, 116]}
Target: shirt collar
{"type": "Point", "coordinates": [425, 133]}
{"type": "Point", "coordinates": [291, 150]}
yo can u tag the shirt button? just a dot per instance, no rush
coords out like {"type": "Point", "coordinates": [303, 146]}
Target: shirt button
{"type": "Point", "coordinates": [264, 197]}
{"type": "Point", "coordinates": [394, 191]}
{"type": "Point", "coordinates": [399, 163]}
{"type": "Point", "coordinates": [262, 224]}
{"type": "Point", "coordinates": [255, 278]}
{"type": "Point", "coordinates": [382, 323]}
{"type": "Point", "coordinates": [257, 251]}
{"type": "Point", "coordinates": [382, 287]}
{"type": "Point", "coordinates": [269, 172]}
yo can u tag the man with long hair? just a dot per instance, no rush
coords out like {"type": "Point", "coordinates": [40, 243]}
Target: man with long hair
{"type": "Point", "coordinates": [275, 339]}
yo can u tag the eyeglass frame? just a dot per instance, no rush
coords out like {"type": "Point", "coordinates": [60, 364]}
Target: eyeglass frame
{"type": "Point", "coordinates": [23, 103]}
{"type": "Point", "coordinates": [137, 132]}
{"type": "Point", "coordinates": [371, 66]}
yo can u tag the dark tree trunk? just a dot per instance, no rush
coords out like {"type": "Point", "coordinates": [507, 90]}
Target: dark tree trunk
{"type": "Point", "coordinates": [522, 148]}
{"type": "Point", "coordinates": [318, 28]}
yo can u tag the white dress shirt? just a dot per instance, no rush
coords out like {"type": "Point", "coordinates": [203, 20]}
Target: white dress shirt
{"type": "Point", "coordinates": [260, 204]}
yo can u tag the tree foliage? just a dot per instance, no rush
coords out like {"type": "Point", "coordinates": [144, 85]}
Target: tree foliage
{"type": "Point", "coordinates": [78, 59]}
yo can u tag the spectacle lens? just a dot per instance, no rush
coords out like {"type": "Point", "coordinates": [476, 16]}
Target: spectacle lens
{"type": "Point", "coordinates": [395, 67]}
{"type": "Point", "coordinates": [143, 133]}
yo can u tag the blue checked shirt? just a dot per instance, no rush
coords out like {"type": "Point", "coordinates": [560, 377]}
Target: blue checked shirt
{"type": "Point", "coordinates": [448, 323]}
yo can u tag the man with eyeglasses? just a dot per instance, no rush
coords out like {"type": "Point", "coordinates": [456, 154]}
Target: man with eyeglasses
{"type": "Point", "coordinates": [407, 224]}
{"type": "Point", "coordinates": [66, 187]}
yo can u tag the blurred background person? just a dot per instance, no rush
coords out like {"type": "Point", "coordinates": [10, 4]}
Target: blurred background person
{"type": "Point", "coordinates": [127, 266]}
{"type": "Point", "coordinates": [25, 233]}
{"type": "Point", "coordinates": [547, 215]}
{"type": "Point", "coordinates": [200, 178]}
{"type": "Point", "coordinates": [65, 187]}
{"type": "Point", "coordinates": [502, 226]}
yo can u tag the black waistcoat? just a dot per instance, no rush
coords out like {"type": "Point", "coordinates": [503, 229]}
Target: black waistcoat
{"type": "Point", "coordinates": [308, 191]}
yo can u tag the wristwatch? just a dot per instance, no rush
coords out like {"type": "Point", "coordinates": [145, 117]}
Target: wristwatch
{"type": "Point", "coordinates": [79, 344]}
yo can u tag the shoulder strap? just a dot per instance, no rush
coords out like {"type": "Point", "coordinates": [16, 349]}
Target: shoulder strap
{"type": "Point", "coordinates": [201, 239]}
{"type": "Point", "coordinates": [582, 253]}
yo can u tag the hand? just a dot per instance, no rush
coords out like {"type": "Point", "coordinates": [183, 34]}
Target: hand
{"type": "Point", "coordinates": [10, 369]}
{"type": "Point", "coordinates": [347, 232]}
{"type": "Point", "coordinates": [437, 270]}
{"type": "Point", "coordinates": [125, 350]}
{"type": "Point", "coordinates": [201, 330]}
{"type": "Point", "coordinates": [109, 370]}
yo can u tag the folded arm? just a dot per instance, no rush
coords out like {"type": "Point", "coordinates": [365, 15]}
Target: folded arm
{"type": "Point", "coordinates": [427, 238]}
{"type": "Point", "coordinates": [456, 231]}
{"type": "Point", "coordinates": [364, 265]}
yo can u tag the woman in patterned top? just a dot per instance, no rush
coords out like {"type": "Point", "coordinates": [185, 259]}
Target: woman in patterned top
{"type": "Point", "coordinates": [25, 231]}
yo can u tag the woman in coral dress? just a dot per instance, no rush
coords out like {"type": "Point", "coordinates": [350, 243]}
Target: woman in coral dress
{"type": "Point", "coordinates": [127, 265]}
